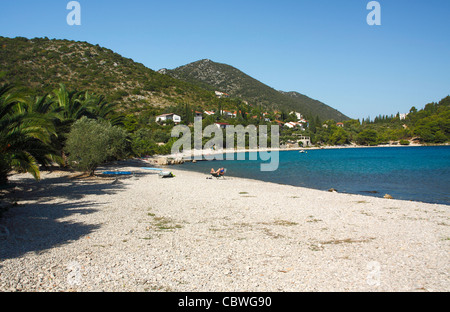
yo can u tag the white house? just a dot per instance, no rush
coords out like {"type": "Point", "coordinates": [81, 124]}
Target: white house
{"type": "Point", "coordinates": [165, 117]}
{"type": "Point", "coordinates": [226, 113]}
{"type": "Point", "coordinates": [289, 125]}
{"type": "Point", "coordinates": [222, 125]}
{"type": "Point", "coordinates": [298, 115]}
{"type": "Point", "coordinates": [294, 124]}
{"type": "Point", "coordinates": [221, 94]}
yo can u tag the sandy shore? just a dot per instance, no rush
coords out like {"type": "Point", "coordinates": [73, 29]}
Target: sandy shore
{"type": "Point", "coordinates": [190, 233]}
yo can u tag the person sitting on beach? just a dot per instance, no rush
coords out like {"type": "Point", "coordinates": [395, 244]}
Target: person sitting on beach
{"type": "Point", "coordinates": [218, 172]}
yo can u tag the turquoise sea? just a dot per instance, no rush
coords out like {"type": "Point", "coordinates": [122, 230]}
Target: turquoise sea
{"type": "Point", "coordinates": [408, 173]}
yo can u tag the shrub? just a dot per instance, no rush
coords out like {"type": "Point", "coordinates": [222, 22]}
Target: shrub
{"type": "Point", "coordinates": [367, 137]}
{"type": "Point", "coordinates": [143, 144]}
{"type": "Point", "coordinates": [91, 143]}
{"type": "Point", "coordinates": [404, 142]}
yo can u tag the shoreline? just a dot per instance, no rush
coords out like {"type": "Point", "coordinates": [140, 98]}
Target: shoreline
{"type": "Point", "coordinates": [331, 190]}
{"type": "Point", "coordinates": [189, 233]}
{"type": "Point", "coordinates": [179, 161]}
{"type": "Point", "coordinates": [198, 155]}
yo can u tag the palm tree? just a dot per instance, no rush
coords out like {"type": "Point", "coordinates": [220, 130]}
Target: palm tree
{"type": "Point", "coordinates": [100, 108]}
{"type": "Point", "coordinates": [70, 105]}
{"type": "Point", "coordinates": [24, 136]}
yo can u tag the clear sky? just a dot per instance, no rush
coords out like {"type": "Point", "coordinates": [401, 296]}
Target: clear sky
{"type": "Point", "coordinates": [322, 48]}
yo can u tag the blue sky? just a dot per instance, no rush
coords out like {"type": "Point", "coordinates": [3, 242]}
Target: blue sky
{"type": "Point", "coordinates": [322, 48]}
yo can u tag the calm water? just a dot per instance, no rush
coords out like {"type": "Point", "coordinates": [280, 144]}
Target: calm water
{"type": "Point", "coordinates": [409, 173]}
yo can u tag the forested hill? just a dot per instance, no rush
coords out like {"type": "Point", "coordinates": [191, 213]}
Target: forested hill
{"type": "Point", "coordinates": [40, 65]}
{"type": "Point", "coordinates": [429, 125]}
{"type": "Point", "coordinates": [225, 78]}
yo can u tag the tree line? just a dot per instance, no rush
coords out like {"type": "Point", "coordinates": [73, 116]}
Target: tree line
{"type": "Point", "coordinates": [430, 125]}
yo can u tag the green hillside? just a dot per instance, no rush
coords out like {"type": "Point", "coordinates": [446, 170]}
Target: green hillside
{"type": "Point", "coordinates": [225, 78]}
{"type": "Point", "coordinates": [40, 65]}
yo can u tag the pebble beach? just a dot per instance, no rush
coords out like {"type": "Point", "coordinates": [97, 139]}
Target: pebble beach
{"type": "Point", "coordinates": [190, 233]}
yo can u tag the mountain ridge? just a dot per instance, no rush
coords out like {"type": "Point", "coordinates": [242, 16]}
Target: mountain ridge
{"type": "Point", "coordinates": [41, 64]}
{"type": "Point", "coordinates": [226, 78]}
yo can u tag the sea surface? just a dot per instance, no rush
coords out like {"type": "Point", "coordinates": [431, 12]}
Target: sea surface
{"type": "Point", "coordinates": [407, 173]}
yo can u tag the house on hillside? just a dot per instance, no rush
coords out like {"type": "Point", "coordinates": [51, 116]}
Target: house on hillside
{"type": "Point", "coordinates": [290, 125]}
{"type": "Point", "coordinates": [209, 113]}
{"type": "Point", "coordinates": [166, 117]}
{"type": "Point", "coordinates": [280, 123]}
{"type": "Point", "coordinates": [295, 124]}
{"type": "Point", "coordinates": [266, 118]}
{"type": "Point", "coordinates": [198, 114]}
{"type": "Point", "coordinates": [226, 113]}
{"type": "Point", "coordinates": [340, 124]}
{"type": "Point", "coordinates": [297, 115]}
{"type": "Point", "coordinates": [222, 94]}
{"type": "Point", "coordinates": [222, 125]}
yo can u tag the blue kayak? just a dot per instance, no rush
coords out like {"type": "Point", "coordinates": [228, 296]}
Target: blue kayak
{"type": "Point", "coordinates": [117, 172]}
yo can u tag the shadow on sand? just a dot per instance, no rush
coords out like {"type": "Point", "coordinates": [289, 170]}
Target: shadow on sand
{"type": "Point", "coordinates": [35, 225]}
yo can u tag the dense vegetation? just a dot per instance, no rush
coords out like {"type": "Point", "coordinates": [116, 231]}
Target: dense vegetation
{"type": "Point", "coordinates": [430, 125]}
{"type": "Point", "coordinates": [40, 65]}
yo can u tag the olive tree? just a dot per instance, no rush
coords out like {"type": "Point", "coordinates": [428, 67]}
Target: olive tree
{"type": "Point", "coordinates": [93, 142]}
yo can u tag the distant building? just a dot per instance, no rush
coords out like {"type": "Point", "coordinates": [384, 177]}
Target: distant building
{"type": "Point", "coordinates": [209, 113]}
{"type": "Point", "coordinates": [340, 124]}
{"type": "Point", "coordinates": [222, 125]}
{"type": "Point", "coordinates": [306, 141]}
{"type": "Point", "coordinates": [226, 113]}
{"type": "Point", "coordinates": [166, 117]}
{"type": "Point", "coordinates": [221, 94]}
{"type": "Point", "coordinates": [290, 125]}
{"type": "Point", "coordinates": [298, 115]}
{"type": "Point", "coordinates": [198, 114]}
{"type": "Point", "coordinates": [280, 123]}
{"type": "Point", "coordinates": [295, 124]}
{"type": "Point", "coordinates": [402, 116]}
